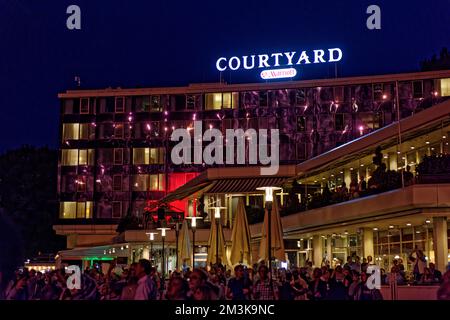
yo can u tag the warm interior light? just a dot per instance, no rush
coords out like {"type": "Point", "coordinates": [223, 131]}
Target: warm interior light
{"type": "Point", "coordinates": [217, 213]}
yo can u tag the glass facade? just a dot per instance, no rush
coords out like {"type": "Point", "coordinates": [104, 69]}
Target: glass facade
{"type": "Point", "coordinates": [107, 137]}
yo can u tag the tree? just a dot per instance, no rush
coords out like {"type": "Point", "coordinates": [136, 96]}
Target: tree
{"type": "Point", "coordinates": [28, 196]}
{"type": "Point", "coordinates": [435, 63]}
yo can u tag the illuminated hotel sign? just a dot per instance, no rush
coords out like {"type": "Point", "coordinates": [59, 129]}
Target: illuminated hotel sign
{"type": "Point", "coordinates": [275, 60]}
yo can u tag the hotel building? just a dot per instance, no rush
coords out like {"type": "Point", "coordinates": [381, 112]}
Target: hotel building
{"type": "Point", "coordinates": [115, 168]}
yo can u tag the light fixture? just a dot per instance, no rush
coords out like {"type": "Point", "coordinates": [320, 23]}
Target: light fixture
{"type": "Point", "coordinates": [151, 235]}
{"type": "Point", "coordinates": [345, 232]}
{"type": "Point", "coordinates": [126, 246]}
{"type": "Point", "coordinates": [298, 244]}
{"type": "Point", "coordinates": [332, 175]}
{"type": "Point", "coordinates": [194, 221]}
{"type": "Point", "coordinates": [428, 221]}
{"type": "Point", "coordinates": [391, 227]}
{"type": "Point", "coordinates": [351, 169]}
{"type": "Point", "coordinates": [362, 165]}
{"type": "Point", "coordinates": [408, 224]}
{"type": "Point", "coordinates": [417, 231]}
{"type": "Point", "coordinates": [342, 172]}
{"type": "Point", "coordinates": [444, 137]}
{"type": "Point", "coordinates": [385, 156]}
{"type": "Point", "coordinates": [398, 152]}
{"type": "Point", "coordinates": [375, 229]}
{"type": "Point", "coordinates": [268, 192]}
{"type": "Point", "coordinates": [163, 231]}
{"type": "Point", "coordinates": [428, 142]}
{"type": "Point", "coordinates": [412, 148]}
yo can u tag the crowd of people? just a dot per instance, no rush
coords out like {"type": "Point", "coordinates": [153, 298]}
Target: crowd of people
{"type": "Point", "coordinates": [141, 281]}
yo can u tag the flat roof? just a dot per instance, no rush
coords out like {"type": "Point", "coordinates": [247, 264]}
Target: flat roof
{"type": "Point", "coordinates": [221, 87]}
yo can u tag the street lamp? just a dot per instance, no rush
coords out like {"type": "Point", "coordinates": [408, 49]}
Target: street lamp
{"type": "Point", "coordinates": [177, 233]}
{"type": "Point", "coordinates": [193, 227]}
{"type": "Point", "coordinates": [163, 236]}
{"type": "Point", "coordinates": [152, 238]}
{"type": "Point", "coordinates": [217, 219]}
{"type": "Point", "coordinates": [268, 196]}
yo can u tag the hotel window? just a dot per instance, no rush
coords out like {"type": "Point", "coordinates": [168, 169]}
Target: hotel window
{"type": "Point", "coordinates": [86, 157]}
{"type": "Point", "coordinates": [76, 131]}
{"type": "Point", "coordinates": [156, 182]}
{"type": "Point", "coordinates": [81, 184]}
{"type": "Point", "coordinates": [75, 210]}
{"type": "Point", "coordinates": [301, 124]}
{"type": "Point", "coordinates": [118, 156]}
{"type": "Point", "coordinates": [84, 106]}
{"type": "Point", "coordinates": [68, 106]}
{"type": "Point", "coordinates": [148, 155]}
{"type": "Point", "coordinates": [118, 131]}
{"type": "Point", "coordinates": [193, 101]}
{"type": "Point", "coordinates": [117, 183]}
{"type": "Point", "coordinates": [117, 209]}
{"type": "Point", "coordinates": [225, 100]}
{"type": "Point", "coordinates": [263, 98]}
{"type": "Point", "coordinates": [140, 182]}
{"type": "Point", "coordinates": [86, 131]}
{"type": "Point", "coordinates": [339, 122]}
{"type": "Point", "coordinates": [377, 91]}
{"type": "Point", "coordinates": [418, 89]}
{"type": "Point", "coordinates": [339, 94]}
{"type": "Point", "coordinates": [445, 87]}
{"type": "Point", "coordinates": [69, 157]}
{"type": "Point", "coordinates": [71, 131]}
{"type": "Point", "coordinates": [120, 105]}
{"type": "Point", "coordinates": [155, 104]}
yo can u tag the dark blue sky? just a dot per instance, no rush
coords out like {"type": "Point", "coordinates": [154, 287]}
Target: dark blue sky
{"type": "Point", "coordinates": [167, 42]}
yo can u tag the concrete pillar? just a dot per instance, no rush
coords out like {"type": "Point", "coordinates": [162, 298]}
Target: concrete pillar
{"type": "Point", "coordinates": [392, 161]}
{"type": "Point", "coordinates": [440, 245]}
{"type": "Point", "coordinates": [347, 178]}
{"type": "Point", "coordinates": [368, 243]}
{"type": "Point", "coordinates": [146, 253]}
{"type": "Point", "coordinates": [317, 250]}
{"type": "Point", "coordinates": [329, 255]}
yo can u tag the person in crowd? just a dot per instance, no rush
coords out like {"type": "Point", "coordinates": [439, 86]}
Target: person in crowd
{"type": "Point", "coordinates": [239, 287]}
{"type": "Point", "coordinates": [177, 289]}
{"type": "Point", "coordinates": [299, 285]}
{"type": "Point", "coordinates": [427, 277]}
{"type": "Point", "coordinates": [354, 285]}
{"type": "Point", "coordinates": [443, 292]}
{"type": "Point", "coordinates": [362, 185]}
{"type": "Point", "coordinates": [264, 288]}
{"type": "Point", "coordinates": [146, 287]}
{"type": "Point", "coordinates": [338, 290]}
{"type": "Point", "coordinates": [285, 290]}
{"type": "Point", "coordinates": [318, 287]}
{"type": "Point", "coordinates": [435, 274]}
{"type": "Point", "coordinates": [418, 261]}
{"type": "Point", "coordinates": [364, 293]}
{"type": "Point", "coordinates": [198, 278]}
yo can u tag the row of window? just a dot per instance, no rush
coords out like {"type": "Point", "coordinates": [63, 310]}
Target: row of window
{"type": "Point", "coordinates": [282, 97]}
{"type": "Point", "coordinates": [144, 156]}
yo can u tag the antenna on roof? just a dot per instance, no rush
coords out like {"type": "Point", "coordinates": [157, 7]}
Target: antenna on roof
{"type": "Point", "coordinates": [78, 81]}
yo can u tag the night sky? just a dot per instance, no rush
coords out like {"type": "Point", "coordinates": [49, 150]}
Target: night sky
{"type": "Point", "coordinates": [167, 42]}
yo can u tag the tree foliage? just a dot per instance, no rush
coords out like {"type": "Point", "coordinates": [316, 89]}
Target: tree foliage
{"type": "Point", "coordinates": [28, 195]}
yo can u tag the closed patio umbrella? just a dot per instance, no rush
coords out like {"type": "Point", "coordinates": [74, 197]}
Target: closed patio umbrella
{"type": "Point", "coordinates": [240, 238]}
{"type": "Point", "coordinates": [184, 244]}
{"type": "Point", "coordinates": [277, 235]}
{"type": "Point", "coordinates": [211, 258]}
